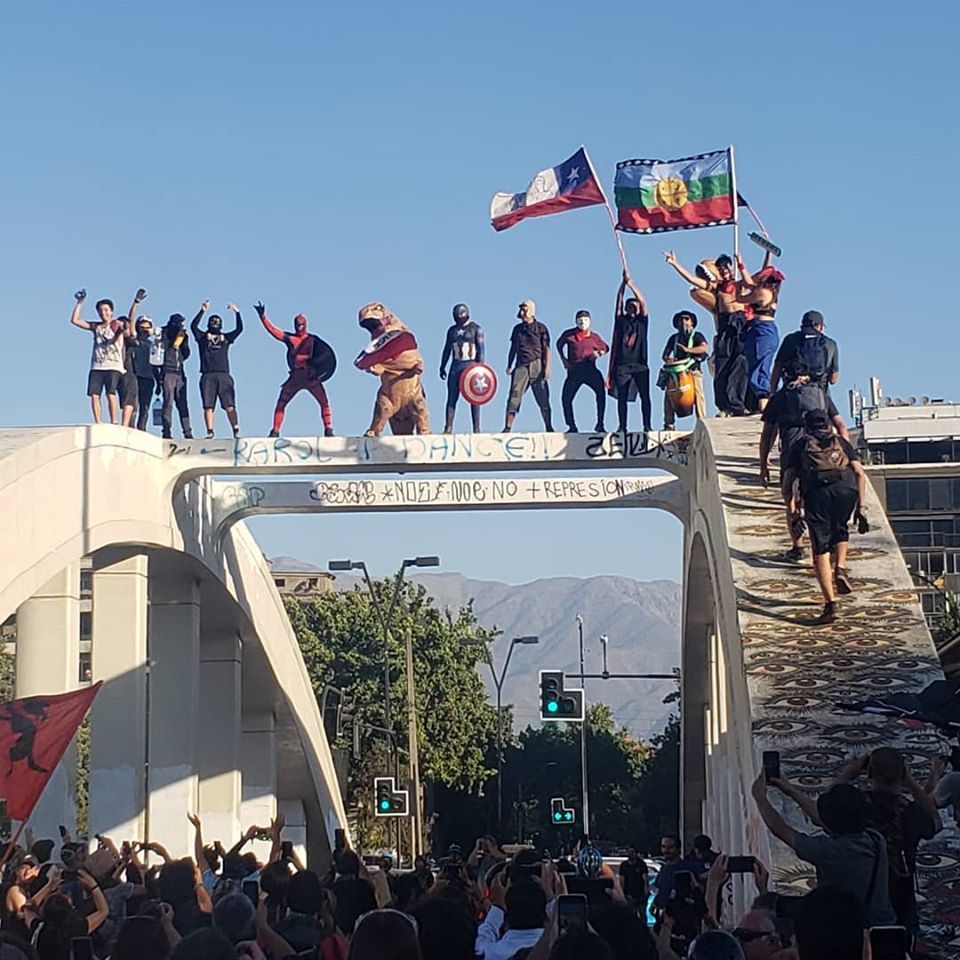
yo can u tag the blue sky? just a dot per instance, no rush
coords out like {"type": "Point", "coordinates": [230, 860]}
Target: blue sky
{"type": "Point", "coordinates": [318, 156]}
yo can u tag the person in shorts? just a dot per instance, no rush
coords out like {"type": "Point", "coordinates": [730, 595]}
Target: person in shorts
{"type": "Point", "coordinates": [216, 382]}
{"type": "Point", "coordinates": [833, 486]}
{"type": "Point", "coordinates": [107, 356]}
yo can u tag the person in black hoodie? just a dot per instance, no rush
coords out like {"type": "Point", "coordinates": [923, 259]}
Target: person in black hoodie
{"type": "Point", "coordinates": [176, 349]}
{"type": "Point", "coordinates": [216, 383]}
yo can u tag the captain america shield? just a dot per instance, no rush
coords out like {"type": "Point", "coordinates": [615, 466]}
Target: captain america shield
{"type": "Point", "coordinates": [478, 384]}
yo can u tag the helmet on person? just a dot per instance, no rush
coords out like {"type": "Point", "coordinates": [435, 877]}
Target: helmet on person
{"type": "Point", "coordinates": [461, 312]}
{"type": "Point", "coordinates": [589, 862]}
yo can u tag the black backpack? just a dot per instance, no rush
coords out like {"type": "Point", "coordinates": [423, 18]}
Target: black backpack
{"type": "Point", "coordinates": [809, 359]}
{"type": "Point", "coordinates": [800, 399]}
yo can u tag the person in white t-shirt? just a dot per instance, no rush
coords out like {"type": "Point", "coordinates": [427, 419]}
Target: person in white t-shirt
{"type": "Point", "coordinates": [106, 359]}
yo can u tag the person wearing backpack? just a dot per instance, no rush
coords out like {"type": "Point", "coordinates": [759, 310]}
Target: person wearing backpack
{"type": "Point", "coordinates": [783, 418]}
{"type": "Point", "coordinates": [807, 355]}
{"type": "Point", "coordinates": [833, 485]}
{"type": "Point", "coordinates": [902, 822]}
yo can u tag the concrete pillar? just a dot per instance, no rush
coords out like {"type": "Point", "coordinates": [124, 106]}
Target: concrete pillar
{"type": "Point", "coordinates": [118, 736]}
{"type": "Point", "coordinates": [48, 662]}
{"type": "Point", "coordinates": [174, 710]}
{"type": "Point", "coordinates": [218, 737]}
{"type": "Point", "coordinates": [258, 775]}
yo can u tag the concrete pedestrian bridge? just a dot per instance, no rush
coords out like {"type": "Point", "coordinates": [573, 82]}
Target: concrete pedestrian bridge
{"type": "Point", "coordinates": [228, 723]}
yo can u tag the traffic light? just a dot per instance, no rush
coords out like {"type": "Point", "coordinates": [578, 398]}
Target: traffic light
{"type": "Point", "coordinates": [556, 703]}
{"type": "Point", "coordinates": [389, 801]}
{"type": "Point", "coordinates": [560, 814]}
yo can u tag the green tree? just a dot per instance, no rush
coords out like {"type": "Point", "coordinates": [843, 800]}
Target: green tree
{"type": "Point", "coordinates": [342, 643]}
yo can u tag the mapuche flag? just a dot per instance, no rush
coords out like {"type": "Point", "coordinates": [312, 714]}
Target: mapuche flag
{"type": "Point", "coordinates": [571, 184]}
{"type": "Point", "coordinates": [34, 733]}
{"type": "Point", "coordinates": [653, 196]}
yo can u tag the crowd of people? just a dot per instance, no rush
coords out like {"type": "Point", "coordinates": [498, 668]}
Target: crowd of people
{"type": "Point", "coordinates": [72, 903]}
{"type": "Point", "coordinates": [132, 360]}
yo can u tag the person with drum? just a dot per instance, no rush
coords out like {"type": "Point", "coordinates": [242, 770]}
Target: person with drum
{"type": "Point", "coordinates": [629, 373]}
{"type": "Point", "coordinates": [685, 351]}
{"type": "Point", "coordinates": [463, 346]}
{"type": "Point", "coordinates": [310, 361]}
{"type": "Point", "coordinates": [580, 349]}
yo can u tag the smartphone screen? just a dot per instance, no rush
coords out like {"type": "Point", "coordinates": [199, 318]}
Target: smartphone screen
{"type": "Point", "coordinates": [81, 948]}
{"type": "Point", "coordinates": [683, 884]}
{"type": "Point", "coordinates": [572, 912]}
{"type": "Point", "coordinates": [251, 890]}
{"type": "Point", "coordinates": [888, 943]}
{"type": "Point", "coordinates": [286, 849]}
{"type": "Point", "coordinates": [740, 864]}
{"type": "Point", "coordinates": [771, 765]}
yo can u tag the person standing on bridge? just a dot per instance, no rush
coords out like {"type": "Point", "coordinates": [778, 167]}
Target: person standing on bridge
{"type": "Point", "coordinates": [176, 350]}
{"type": "Point", "coordinates": [629, 372]}
{"type": "Point", "coordinates": [216, 383]}
{"type": "Point", "coordinates": [833, 485]}
{"type": "Point", "coordinates": [684, 352]}
{"type": "Point", "coordinates": [583, 349]}
{"type": "Point", "coordinates": [807, 356]}
{"type": "Point", "coordinates": [528, 365]}
{"type": "Point", "coordinates": [464, 345]}
{"type": "Point", "coordinates": [310, 360]}
{"type": "Point", "coordinates": [107, 357]}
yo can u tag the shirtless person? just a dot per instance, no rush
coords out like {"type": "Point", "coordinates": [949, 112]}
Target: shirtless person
{"type": "Point", "coordinates": [730, 373]}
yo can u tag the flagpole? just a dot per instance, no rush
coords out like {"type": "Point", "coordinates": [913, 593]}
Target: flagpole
{"type": "Point", "coordinates": [736, 207]}
{"type": "Point", "coordinates": [609, 209]}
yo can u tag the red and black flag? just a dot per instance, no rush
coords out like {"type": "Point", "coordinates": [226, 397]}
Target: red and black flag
{"type": "Point", "coordinates": [34, 733]}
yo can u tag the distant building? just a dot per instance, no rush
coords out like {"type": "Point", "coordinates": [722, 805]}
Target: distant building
{"type": "Point", "coordinates": [912, 450]}
{"type": "Point", "coordinates": [302, 584]}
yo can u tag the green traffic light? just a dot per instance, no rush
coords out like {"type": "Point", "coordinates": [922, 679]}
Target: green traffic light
{"type": "Point", "coordinates": [569, 815]}
{"type": "Point", "coordinates": [553, 706]}
{"type": "Point", "coordinates": [384, 804]}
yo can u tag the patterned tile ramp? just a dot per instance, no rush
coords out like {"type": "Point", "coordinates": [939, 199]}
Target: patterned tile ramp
{"type": "Point", "coordinates": [796, 672]}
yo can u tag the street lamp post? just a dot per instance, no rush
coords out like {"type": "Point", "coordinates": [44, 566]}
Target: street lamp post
{"type": "Point", "coordinates": [585, 798]}
{"type": "Point", "coordinates": [386, 623]}
{"type": "Point", "coordinates": [498, 685]}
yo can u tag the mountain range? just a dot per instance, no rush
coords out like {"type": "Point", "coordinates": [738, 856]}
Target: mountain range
{"type": "Point", "coordinates": [641, 619]}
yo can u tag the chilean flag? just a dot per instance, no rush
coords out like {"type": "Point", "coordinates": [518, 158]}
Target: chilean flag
{"type": "Point", "coordinates": [571, 184]}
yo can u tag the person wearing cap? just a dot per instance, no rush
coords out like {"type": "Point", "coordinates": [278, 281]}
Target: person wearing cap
{"type": "Point", "coordinates": [833, 487]}
{"type": "Point", "coordinates": [216, 382]}
{"type": "Point", "coordinates": [685, 351]}
{"type": "Point", "coordinates": [18, 896]}
{"type": "Point", "coordinates": [628, 375]}
{"type": "Point", "coordinates": [528, 365]}
{"type": "Point", "coordinates": [807, 355]}
{"type": "Point", "coordinates": [579, 349]}
{"type": "Point", "coordinates": [464, 345]}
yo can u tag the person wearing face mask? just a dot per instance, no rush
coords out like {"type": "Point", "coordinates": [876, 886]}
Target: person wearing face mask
{"type": "Point", "coordinates": [310, 360]}
{"type": "Point", "coordinates": [579, 349]}
{"type": "Point", "coordinates": [684, 352]}
{"type": "Point", "coordinates": [464, 345]}
{"type": "Point", "coordinates": [629, 372]}
{"type": "Point", "coordinates": [216, 383]}
{"type": "Point", "coordinates": [176, 349]}
{"type": "Point", "coordinates": [528, 365]}
{"type": "Point", "coordinates": [143, 350]}
{"type": "Point", "coordinates": [127, 389]}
